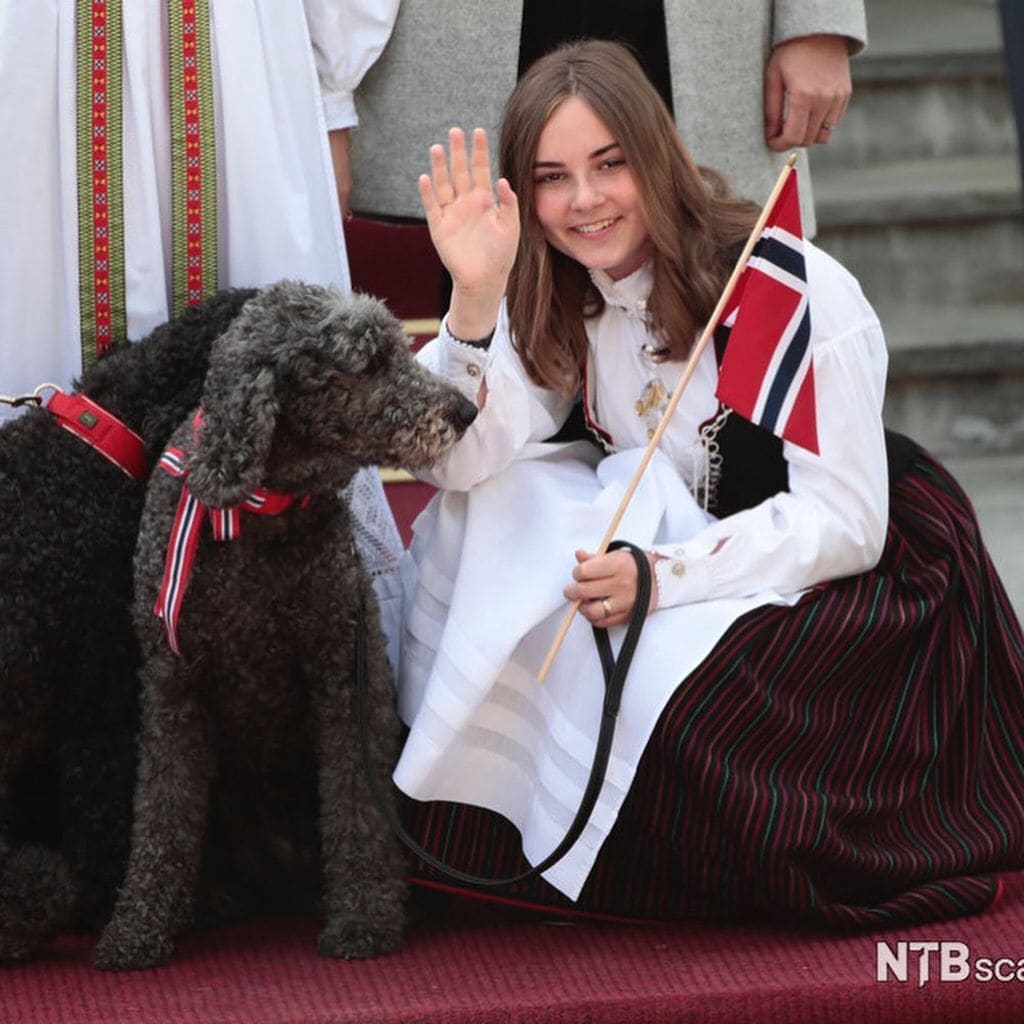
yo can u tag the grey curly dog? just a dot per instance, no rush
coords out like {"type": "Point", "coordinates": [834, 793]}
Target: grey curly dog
{"type": "Point", "coordinates": [254, 720]}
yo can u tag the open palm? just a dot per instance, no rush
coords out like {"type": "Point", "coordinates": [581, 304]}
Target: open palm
{"type": "Point", "coordinates": [475, 235]}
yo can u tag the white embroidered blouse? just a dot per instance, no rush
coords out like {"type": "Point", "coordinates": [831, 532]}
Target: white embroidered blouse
{"type": "Point", "coordinates": [832, 520]}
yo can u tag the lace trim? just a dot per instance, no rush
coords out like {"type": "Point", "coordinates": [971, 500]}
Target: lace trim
{"type": "Point", "coordinates": [373, 526]}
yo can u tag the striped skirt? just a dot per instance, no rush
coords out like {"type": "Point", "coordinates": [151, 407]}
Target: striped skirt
{"type": "Point", "coordinates": [856, 759]}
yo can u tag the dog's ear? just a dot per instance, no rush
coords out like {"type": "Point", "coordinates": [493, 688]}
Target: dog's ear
{"type": "Point", "coordinates": [239, 414]}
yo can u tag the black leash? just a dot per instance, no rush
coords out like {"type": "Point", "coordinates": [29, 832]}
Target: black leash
{"type": "Point", "coordinates": [614, 670]}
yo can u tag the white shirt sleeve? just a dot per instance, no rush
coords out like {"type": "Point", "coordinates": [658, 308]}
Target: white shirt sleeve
{"type": "Point", "coordinates": [347, 37]}
{"type": "Point", "coordinates": [832, 521]}
{"type": "Point", "coordinates": [514, 412]}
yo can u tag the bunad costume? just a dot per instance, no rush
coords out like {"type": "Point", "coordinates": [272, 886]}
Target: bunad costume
{"type": "Point", "coordinates": [823, 718]}
{"type": "Point", "coordinates": [271, 78]}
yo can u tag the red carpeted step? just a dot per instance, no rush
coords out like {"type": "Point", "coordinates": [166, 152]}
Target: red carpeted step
{"type": "Point", "coordinates": [492, 966]}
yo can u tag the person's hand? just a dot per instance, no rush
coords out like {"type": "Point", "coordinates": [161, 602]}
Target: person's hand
{"type": "Point", "coordinates": [341, 157]}
{"type": "Point", "coordinates": [475, 235]}
{"type": "Point", "coordinates": [605, 585]}
{"type": "Point", "coordinates": [806, 90]}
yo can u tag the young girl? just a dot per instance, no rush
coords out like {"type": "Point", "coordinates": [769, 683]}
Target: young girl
{"type": "Point", "coordinates": [824, 718]}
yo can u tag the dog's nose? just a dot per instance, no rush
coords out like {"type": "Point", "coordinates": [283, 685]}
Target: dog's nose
{"type": "Point", "coordinates": [464, 413]}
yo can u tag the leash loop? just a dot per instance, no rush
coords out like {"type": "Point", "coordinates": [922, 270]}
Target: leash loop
{"type": "Point", "coordinates": [614, 670]}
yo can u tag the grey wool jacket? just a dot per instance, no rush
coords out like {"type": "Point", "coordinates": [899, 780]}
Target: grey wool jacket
{"type": "Point", "coordinates": [453, 62]}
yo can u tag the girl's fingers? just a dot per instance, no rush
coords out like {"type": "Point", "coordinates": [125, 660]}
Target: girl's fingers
{"type": "Point", "coordinates": [508, 201]}
{"type": "Point", "coordinates": [427, 200]}
{"type": "Point", "coordinates": [443, 191]}
{"type": "Point", "coordinates": [596, 613]}
{"type": "Point", "coordinates": [460, 162]}
{"type": "Point", "coordinates": [480, 166]}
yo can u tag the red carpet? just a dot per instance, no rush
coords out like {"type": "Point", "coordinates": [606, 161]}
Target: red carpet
{"type": "Point", "coordinates": [495, 967]}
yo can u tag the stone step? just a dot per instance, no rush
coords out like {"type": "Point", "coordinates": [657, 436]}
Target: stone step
{"type": "Point", "coordinates": [914, 38]}
{"type": "Point", "coordinates": [956, 377]}
{"type": "Point", "coordinates": [931, 83]}
{"type": "Point", "coordinates": [995, 485]}
{"type": "Point", "coordinates": [926, 230]}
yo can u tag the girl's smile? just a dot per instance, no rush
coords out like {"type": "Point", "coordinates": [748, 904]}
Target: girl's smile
{"type": "Point", "coordinates": [585, 196]}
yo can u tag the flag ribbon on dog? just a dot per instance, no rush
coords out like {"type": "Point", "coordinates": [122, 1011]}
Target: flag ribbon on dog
{"type": "Point", "coordinates": [767, 375]}
{"type": "Point", "coordinates": [185, 532]}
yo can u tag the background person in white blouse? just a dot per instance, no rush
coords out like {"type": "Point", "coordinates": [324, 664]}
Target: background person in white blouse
{"type": "Point", "coordinates": [829, 648]}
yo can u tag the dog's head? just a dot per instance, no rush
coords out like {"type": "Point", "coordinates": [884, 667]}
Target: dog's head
{"type": "Point", "coordinates": [306, 387]}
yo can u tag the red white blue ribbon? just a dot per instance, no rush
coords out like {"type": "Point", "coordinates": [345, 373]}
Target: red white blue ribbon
{"type": "Point", "coordinates": [185, 533]}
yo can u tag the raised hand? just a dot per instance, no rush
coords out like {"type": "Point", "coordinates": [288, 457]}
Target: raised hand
{"type": "Point", "coordinates": [474, 233]}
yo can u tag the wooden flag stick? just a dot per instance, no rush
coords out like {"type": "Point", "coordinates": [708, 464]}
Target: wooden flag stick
{"type": "Point", "coordinates": [691, 366]}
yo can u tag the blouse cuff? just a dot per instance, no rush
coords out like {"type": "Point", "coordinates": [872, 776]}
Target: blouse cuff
{"type": "Point", "coordinates": [681, 577]}
{"type": "Point", "coordinates": [465, 363]}
{"type": "Point", "coordinates": [340, 110]}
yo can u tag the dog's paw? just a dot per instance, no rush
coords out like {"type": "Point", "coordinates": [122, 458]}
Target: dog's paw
{"type": "Point", "coordinates": [353, 938]}
{"type": "Point", "coordinates": [124, 948]}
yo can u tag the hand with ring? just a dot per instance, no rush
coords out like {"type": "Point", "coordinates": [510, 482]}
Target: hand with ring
{"type": "Point", "coordinates": [807, 87]}
{"type": "Point", "coordinates": [606, 585]}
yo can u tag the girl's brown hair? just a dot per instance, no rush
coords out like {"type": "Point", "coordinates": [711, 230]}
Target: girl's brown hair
{"type": "Point", "coordinates": [693, 218]}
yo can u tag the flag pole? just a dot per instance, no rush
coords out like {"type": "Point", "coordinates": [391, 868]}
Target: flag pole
{"type": "Point", "coordinates": [688, 372]}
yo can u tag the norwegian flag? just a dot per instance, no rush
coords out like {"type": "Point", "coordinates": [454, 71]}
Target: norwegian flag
{"type": "Point", "coordinates": [767, 374]}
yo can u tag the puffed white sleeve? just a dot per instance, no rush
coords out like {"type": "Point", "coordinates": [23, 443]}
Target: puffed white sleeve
{"type": "Point", "coordinates": [513, 410]}
{"type": "Point", "coordinates": [347, 37]}
{"type": "Point", "coordinates": [832, 520]}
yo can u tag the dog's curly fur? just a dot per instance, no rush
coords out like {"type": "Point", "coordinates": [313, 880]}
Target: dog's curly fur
{"type": "Point", "coordinates": [251, 732]}
{"type": "Point", "coordinates": [68, 654]}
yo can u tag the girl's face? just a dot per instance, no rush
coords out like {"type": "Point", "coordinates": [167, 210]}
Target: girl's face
{"type": "Point", "coordinates": [585, 196]}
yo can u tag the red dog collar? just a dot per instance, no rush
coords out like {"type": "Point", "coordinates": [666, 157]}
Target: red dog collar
{"type": "Point", "coordinates": [101, 430]}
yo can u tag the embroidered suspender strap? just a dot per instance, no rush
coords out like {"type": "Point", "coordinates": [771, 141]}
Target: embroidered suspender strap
{"type": "Point", "coordinates": [614, 670]}
{"type": "Point", "coordinates": [193, 153]}
{"type": "Point", "coordinates": [102, 431]}
{"type": "Point", "coordinates": [185, 533]}
{"type": "Point", "coordinates": [100, 182]}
